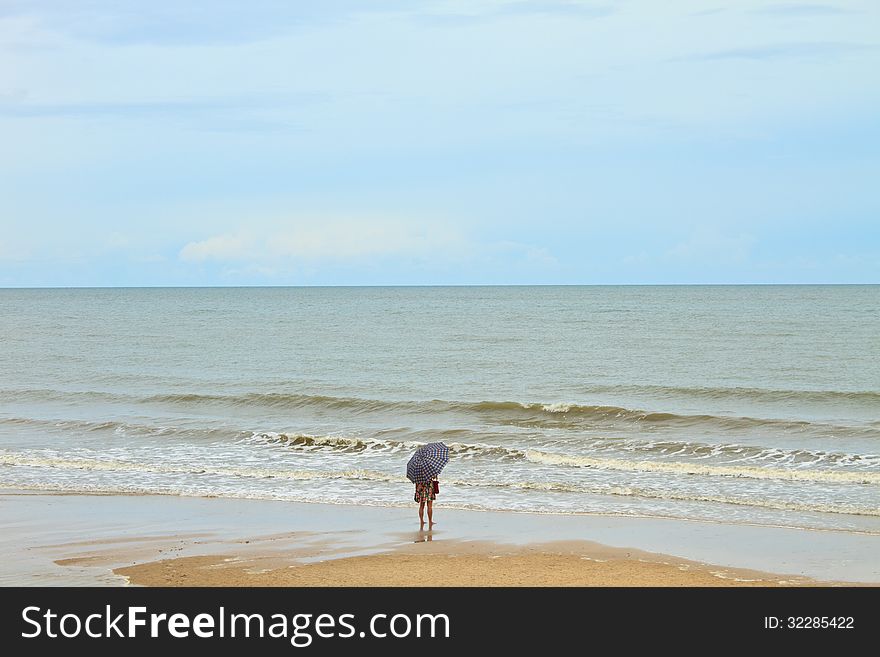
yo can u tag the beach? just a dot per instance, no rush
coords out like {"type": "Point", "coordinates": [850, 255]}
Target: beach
{"type": "Point", "coordinates": [120, 540]}
{"type": "Point", "coordinates": [597, 435]}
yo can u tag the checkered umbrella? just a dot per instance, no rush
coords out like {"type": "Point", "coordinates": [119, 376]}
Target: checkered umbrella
{"type": "Point", "coordinates": [427, 462]}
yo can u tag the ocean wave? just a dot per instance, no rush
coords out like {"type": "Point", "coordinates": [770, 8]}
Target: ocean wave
{"type": "Point", "coordinates": [795, 466]}
{"type": "Point", "coordinates": [117, 465]}
{"type": "Point", "coordinates": [310, 442]}
{"type": "Point", "coordinates": [563, 415]}
{"type": "Point", "coordinates": [127, 428]}
{"type": "Point", "coordinates": [733, 453]}
{"type": "Point", "coordinates": [746, 393]}
{"type": "Point", "coordinates": [360, 444]}
{"type": "Point", "coordinates": [706, 470]}
{"type": "Point", "coordinates": [471, 444]}
{"type": "Point", "coordinates": [571, 415]}
{"type": "Point", "coordinates": [861, 469]}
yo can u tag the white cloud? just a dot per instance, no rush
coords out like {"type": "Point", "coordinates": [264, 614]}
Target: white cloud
{"type": "Point", "coordinates": [334, 240]}
{"type": "Point", "coordinates": [304, 250]}
{"type": "Point", "coordinates": [219, 247]}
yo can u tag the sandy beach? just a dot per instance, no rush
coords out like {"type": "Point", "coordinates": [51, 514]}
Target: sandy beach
{"type": "Point", "coordinates": [115, 540]}
{"type": "Point", "coordinates": [454, 564]}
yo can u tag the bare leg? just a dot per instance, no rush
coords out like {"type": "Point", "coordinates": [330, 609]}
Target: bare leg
{"type": "Point", "coordinates": [430, 514]}
{"type": "Point", "coordinates": [422, 514]}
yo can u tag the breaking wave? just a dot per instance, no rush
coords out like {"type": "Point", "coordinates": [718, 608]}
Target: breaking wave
{"type": "Point", "coordinates": [527, 414]}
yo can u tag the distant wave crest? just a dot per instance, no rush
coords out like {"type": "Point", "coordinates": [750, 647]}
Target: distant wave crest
{"type": "Point", "coordinates": [528, 414]}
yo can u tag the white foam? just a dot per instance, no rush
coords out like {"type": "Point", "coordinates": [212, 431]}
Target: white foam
{"type": "Point", "coordinates": [690, 468]}
{"type": "Point", "coordinates": [558, 407]}
{"type": "Point", "coordinates": [113, 465]}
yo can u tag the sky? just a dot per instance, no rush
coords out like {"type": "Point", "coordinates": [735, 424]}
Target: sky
{"type": "Point", "coordinates": [395, 142]}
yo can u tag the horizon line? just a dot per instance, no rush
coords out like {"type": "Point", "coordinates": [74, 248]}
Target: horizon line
{"type": "Point", "coordinates": [420, 285]}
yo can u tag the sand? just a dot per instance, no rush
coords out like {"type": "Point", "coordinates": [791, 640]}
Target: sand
{"type": "Point", "coordinates": [454, 564]}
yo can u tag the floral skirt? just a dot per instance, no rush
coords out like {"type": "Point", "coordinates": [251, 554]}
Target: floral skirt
{"type": "Point", "coordinates": [425, 493]}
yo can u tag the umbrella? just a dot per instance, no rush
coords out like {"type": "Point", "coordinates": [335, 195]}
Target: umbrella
{"type": "Point", "coordinates": [427, 462]}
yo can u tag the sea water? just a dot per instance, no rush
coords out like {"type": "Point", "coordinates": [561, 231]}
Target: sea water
{"type": "Point", "coordinates": [754, 404]}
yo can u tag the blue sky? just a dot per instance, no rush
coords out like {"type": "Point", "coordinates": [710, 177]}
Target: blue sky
{"type": "Point", "coordinates": [452, 142]}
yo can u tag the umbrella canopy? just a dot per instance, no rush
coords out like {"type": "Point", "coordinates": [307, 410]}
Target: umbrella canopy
{"type": "Point", "coordinates": [427, 463]}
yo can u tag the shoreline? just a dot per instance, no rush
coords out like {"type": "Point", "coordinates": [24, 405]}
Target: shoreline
{"type": "Point", "coordinates": [75, 539]}
{"type": "Point", "coordinates": [14, 491]}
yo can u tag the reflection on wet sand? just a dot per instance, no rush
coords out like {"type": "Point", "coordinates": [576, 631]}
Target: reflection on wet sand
{"type": "Point", "coordinates": [423, 536]}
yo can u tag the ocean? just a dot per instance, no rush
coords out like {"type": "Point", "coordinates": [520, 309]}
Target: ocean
{"type": "Point", "coordinates": [737, 404]}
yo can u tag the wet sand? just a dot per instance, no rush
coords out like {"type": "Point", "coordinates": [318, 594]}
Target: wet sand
{"type": "Point", "coordinates": [112, 540]}
{"type": "Point", "coordinates": [455, 564]}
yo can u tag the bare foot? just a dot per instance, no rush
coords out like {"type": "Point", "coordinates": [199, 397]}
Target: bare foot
{"type": "Point", "coordinates": [431, 526]}
{"type": "Point", "coordinates": [422, 527]}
